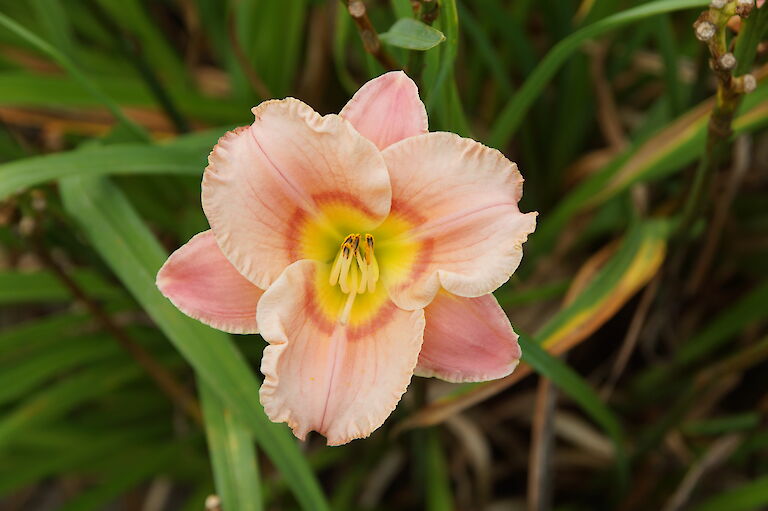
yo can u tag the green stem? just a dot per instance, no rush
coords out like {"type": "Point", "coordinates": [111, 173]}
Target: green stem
{"type": "Point", "coordinates": [426, 11]}
{"type": "Point", "coordinates": [720, 127]}
{"type": "Point", "coordinates": [368, 34]}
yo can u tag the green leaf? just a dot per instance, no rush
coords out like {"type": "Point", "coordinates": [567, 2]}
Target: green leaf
{"type": "Point", "coordinates": [635, 262]}
{"type": "Point", "coordinates": [53, 402]}
{"type": "Point", "coordinates": [751, 33]}
{"type": "Point", "coordinates": [232, 454]}
{"type": "Point", "coordinates": [747, 497]}
{"type": "Point", "coordinates": [487, 51]}
{"type": "Point", "coordinates": [134, 469]}
{"type": "Point", "coordinates": [43, 286]}
{"type": "Point", "coordinates": [133, 16]}
{"type": "Point", "coordinates": [722, 425]}
{"type": "Point", "coordinates": [343, 24]}
{"type": "Point", "coordinates": [68, 451]}
{"type": "Point", "coordinates": [134, 254]}
{"type": "Point", "coordinates": [56, 92]}
{"type": "Point", "coordinates": [38, 334]}
{"type": "Point", "coordinates": [21, 377]}
{"type": "Point", "coordinates": [638, 258]}
{"type": "Point", "coordinates": [443, 98]}
{"type": "Point", "coordinates": [259, 25]}
{"type": "Point", "coordinates": [438, 488]}
{"type": "Point", "coordinates": [74, 70]}
{"type": "Point", "coordinates": [669, 150]}
{"type": "Point", "coordinates": [513, 113]}
{"type": "Point", "coordinates": [665, 37]}
{"type": "Point", "coordinates": [580, 391]}
{"type": "Point", "coordinates": [412, 34]}
{"type": "Point", "coordinates": [53, 17]}
{"type": "Point", "coordinates": [185, 155]}
{"type": "Point", "coordinates": [748, 310]}
{"type": "Point", "coordinates": [741, 314]}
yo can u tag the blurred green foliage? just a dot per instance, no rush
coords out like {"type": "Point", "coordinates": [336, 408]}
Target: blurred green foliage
{"type": "Point", "coordinates": [108, 110]}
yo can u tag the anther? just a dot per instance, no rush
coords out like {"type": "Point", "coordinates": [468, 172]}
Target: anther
{"type": "Point", "coordinates": [346, 262]}
{"type": "Point", "coordinates": [355, 270]}
{"type": "Point", "coordinates": [369, 248]}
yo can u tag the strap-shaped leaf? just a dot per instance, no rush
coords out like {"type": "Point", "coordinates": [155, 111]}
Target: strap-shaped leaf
{"type": "Point", "coordinates": [635, 262]}
{"type": "Point", "coordinates": [233, 457]}
{"type": "Point", "coordinates": [514, 112]}
{"type": "Point", "coordinates": [130, 249]}
{"type": "Point", "coordinates": [579, 390]}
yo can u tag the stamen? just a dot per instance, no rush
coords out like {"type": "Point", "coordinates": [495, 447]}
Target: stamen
{"type": "Point", "coordinates": [363, 273]}
{"type": "Point", "coordinates": [335, 270]}
{"type": "Point", "coordinates": [373, 275]}
{"type": "Point", "coordinates": [354, 278]}
{"type": "Point", "coordinates": [344, 318]}
{"type": "Point", "coordinates": [346, 261]}
{"type": "Point", "coordinates": [353, 285]}
{"type": "Point", "coordinates": [369, 248]}
{"type": "Point", "coordinates": [355, 270]}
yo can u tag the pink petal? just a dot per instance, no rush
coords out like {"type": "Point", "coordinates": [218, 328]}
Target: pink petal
{"type": "Point", "coordinates": [200, 281]}
{"type": "Point", "coordinates": [340, 380]}
{"type": "Point", "coordinates": [461, 199]}
{"type": "Point", "coordinates": [264, 181]}
{"type": "Point", "coordinates": [387, 109]}
{"type": "Point", "coordinates": [467, 340]}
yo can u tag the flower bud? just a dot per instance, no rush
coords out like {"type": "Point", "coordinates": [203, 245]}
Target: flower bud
{"type": "Point", "coordinates": [744, 7]}
{"type": "Point", "coordinates": [727, 61]}
{"type": "Point", "coordinates": [705, 30]}
{"type": "Point", "coordinates": [718, 4]}
{"type": "Point", "coordinates": [213, 503]}
{"type": "Point", "coordinates": [748, 83]}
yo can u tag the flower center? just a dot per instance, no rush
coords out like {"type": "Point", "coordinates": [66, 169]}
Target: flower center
{"type": "Point", "coordinates": [355, 269]}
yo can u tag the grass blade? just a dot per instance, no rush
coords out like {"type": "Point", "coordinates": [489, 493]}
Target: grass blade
{"type": "Point", "coordinates": [752, 31]}
{"type": "Point", "coordinates": [747, 497]}
{"type": "Point", "coordinates": [133, 253]}
{"type": "Point", "coordinates": [670, 149]}
{"type": "Point", "coordinates": [514, 111]}
{"type": "Point", "coordinates": [233, 457]}
{"type": "Point", "coordinates": [444, 90]}
{"type": "Point", "coordinates": [438, 490]}
{"type": "Point", "coordinates": [634, 264]}
{"type": "Point", "coordinates": [185, 155]}
{"type": "Point", "coordinates": [43, 286]}
{"type": "Point", "coordinates": [67, 63]}
{"type": "Point", "coordinates": [580, 391]}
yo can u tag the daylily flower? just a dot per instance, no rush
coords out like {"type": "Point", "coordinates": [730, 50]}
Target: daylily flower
{"type": "Point", "coordinates": [363, 249]}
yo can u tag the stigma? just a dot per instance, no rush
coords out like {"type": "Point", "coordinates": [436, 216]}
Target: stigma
{"type": "Point", "coordinates": [355, 269]}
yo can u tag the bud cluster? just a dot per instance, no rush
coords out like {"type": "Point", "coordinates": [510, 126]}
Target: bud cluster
{"type": "Point", "coordinates": [710, 28]}
{"type": "Point", "coordinates": [744, 7]}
